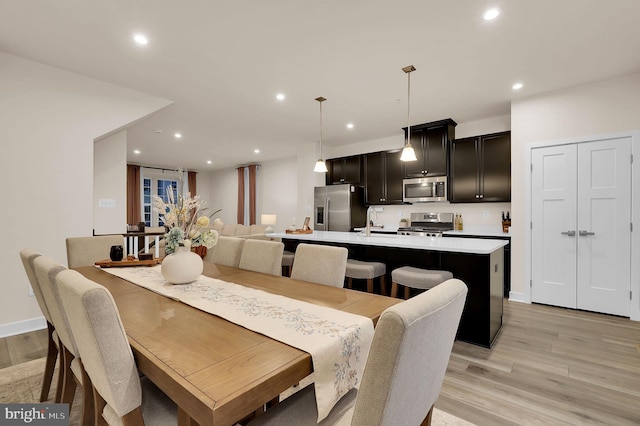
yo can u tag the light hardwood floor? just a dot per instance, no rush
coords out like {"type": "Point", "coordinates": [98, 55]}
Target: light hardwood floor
{"type": "Point", "coordinates": [550, 366]}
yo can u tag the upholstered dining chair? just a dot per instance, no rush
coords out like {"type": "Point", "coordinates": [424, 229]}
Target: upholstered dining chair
{"type": "Point", "coordinates": [320, 264]}
{"type": "Point", "coordinates": [86, 251]}
{"type": "Point", "coordinates": [28, 257]}
{"type": "Point", "coordinates": [227, 251]}
{"type": "Point", "coordinates": [71, 371]}
{"type": "Point", "coordinates": [122, 398]}
{"type": "Point", "coordinates": [262, 256]}
{"type": "Point", "coordinates": [404, 371]}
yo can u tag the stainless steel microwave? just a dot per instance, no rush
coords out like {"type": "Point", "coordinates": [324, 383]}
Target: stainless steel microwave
{"type": "Point", "coordinates": [424, 189]}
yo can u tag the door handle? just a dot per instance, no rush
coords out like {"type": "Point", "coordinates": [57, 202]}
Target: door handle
{"type": "Point", "coordinates": [326, 215]}
{"type": "Point", "coordinates": [585, 233]}
{"type": "Point", "coordinates": [570, 233]}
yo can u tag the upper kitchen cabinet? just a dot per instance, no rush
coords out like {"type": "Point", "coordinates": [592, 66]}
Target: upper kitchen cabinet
{"type": "Point", "coordinates": [344, 170]}
{"type": "Point", "coordinates": [431, 144]}
{"type": "Point", "coordinates": [481, 169]}
{"type": "Point", "coordinates": [383, 177]}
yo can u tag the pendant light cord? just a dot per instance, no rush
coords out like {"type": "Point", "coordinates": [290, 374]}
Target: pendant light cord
{"type": "Point", "coordinates": [409, 108]}
{"type": "Point", "coordinates": [320, 102]}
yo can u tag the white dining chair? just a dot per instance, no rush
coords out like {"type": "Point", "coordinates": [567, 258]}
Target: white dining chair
{"type": "Point", "coordinates": [320, 264]}
{"type": "Point", "coordinates": [262, 256]}
{"type": "Point", "coordinates": [28, 257]}
{"type": "Point", "coordinates": [122, 398]}
{"type": "Point", "coordinates": [227, 251]}
{"type": "Point", "coordinates": [71, 371]}
{"type": "Point", "coordinates": [404, 371]}
{"type": "Point", "coordinates": [86, 251]}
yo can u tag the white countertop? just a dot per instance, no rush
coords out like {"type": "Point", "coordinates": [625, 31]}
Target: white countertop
{"type": "Point", "coordinates": [450, 244]}
{"type": "Point", "coordinates": [480, 231]}
{"type": "Point", "coordinates": [379, 230]}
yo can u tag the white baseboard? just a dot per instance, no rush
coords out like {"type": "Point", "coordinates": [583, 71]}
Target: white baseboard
{"type": "Point", "coordinates": [20, 327]}
{"type": "Point", "coordinates": [518, 297]}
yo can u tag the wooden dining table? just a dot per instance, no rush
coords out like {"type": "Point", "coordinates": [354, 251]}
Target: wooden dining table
{"type": "Point", "coordinates": [215, 371]}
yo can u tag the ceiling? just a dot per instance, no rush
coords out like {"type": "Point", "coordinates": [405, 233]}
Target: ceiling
{"type": "Point", "coordinates": [223, 62]}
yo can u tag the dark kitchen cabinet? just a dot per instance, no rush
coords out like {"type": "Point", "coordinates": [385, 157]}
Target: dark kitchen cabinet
{"type": "Point", "coordinates": [430, 141]}
{"type": "Point", "coordinates": [383, 177]}
{"type": "Point", "coordinates": [481, 169]}
{"type": "Point", "coordinates": [344, 170]}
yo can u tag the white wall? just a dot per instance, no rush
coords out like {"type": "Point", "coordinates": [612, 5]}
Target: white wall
{"type": "Point", "coordinates": [478, 217]}
{"type": "Point", "coordinates": [603, 107]}
{"type": "Point", "coordinates": [277, 192]}
{"type": "Point", "coordinates": [279, 189]}
{"type": "Point", "coordinates": [501, 123]}
{"type": "Point", "coordinates": [49, 120]}
{"type": "Point", "coordinates": [223, 193]}
{"type": "Point", "coordinates": [110, 184]}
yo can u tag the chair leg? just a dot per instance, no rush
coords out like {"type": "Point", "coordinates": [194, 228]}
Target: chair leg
{"type": "Point", "coordinates": [427, 420]}
{"type": "Point", "coordinates": [98, 406]}
{"type": "Point", "coordinates": [50, 365]}
{"type": "Point", "coordinates": [349, 282]}
{"type": "Point", "coordinates": [88, 407]}
{"type": "Point", "coordinates": [61, 370]}
{"type": "Point", "coordinates": [133, 418]}
{"type": "Point", "coordinates": [406, 292]}
{"type": "Point", "coordinates": [69, 383]}
{"type": "Point", "coordinates": [369, 285]}
{"type": "Point", "coordinates": [394, 289]}
{"type": "Point", "coordinates": [383, 285]}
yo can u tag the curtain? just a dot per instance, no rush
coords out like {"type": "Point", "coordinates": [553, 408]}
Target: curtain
{"type": "Point", "coordinates": [191, 183]}
{"type": "Point", "coordinates": [134, 215]}
{"type": "Point", "coordinates": [252, 193]}
{"type": "Point", "coordinates": [240, 215]}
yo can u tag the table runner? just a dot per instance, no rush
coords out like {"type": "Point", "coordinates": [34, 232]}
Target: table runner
{"type": "Point", "coordinates": [338, 341]}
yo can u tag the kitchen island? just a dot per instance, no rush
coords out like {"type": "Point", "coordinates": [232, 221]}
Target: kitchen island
{"type": "Point", "coordinates": [477, 262]}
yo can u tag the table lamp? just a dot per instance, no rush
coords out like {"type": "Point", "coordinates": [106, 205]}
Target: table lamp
{"type": "Point", "coordinates": [268, 219]}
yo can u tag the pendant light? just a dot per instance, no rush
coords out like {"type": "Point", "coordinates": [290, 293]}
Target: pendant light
{"type": "Point", "coordinates": [320, 167]}
{"type": "Point", "coordinates": [408, 154]}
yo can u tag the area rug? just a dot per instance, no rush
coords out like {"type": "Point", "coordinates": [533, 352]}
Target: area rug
{"type": "Point", "coordinates": [21, 384]}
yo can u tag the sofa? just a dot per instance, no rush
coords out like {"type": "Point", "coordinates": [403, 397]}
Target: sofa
{"type": "Point", "coordinates": [242, 231]}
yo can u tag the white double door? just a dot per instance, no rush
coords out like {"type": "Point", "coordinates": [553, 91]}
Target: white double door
{"type": "Point", "coordinates": [581, 226]}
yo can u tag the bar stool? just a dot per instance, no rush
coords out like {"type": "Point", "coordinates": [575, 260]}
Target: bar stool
{"type": "Point", "coordinates": [411, 277]}
{"type": "Point", "coordinates": [287, 263]}
{"type": "Point", "coordinates": [360, 270]}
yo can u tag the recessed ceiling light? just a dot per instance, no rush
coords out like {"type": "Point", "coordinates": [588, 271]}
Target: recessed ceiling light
{"type": "Point", "coordinates": [257, 151]}
{"type": "Point", "coordinates": [280, 96]}
{"type": "Point", "coordinates": [177, 135]}
{"type": "Point", "coordinates": [349, 125]}
{"type": "Point", "coordinates": [517, 86]}
{"type": "Point", "coordinates": [209, 161]}
{"type": "Point", "coordinates": [491, 14]}
{"type": "Point", "coordinates": [141, 39]}
{"type": "Point", "coordinates": [136, 151]}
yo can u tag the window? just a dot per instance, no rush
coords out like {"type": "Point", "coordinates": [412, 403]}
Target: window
{"type": "Point", "coordinates": [158, 183]}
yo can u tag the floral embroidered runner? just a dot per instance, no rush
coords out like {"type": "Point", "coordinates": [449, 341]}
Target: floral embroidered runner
{"type": "Point", "coordinates": [338, 341]}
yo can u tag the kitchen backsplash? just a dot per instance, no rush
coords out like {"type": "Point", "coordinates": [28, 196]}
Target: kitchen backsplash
{"type": "Point", "coordinates": [480, 214]}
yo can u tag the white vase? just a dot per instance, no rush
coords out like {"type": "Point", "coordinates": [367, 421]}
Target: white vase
{"type": "Point", "coordinates": [182, 267]}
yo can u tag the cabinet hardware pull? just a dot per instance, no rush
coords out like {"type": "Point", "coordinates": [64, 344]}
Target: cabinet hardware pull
{"type": "Point", "coordinates": [569, 233]}
{"type": "Point", "coordinates": [585, 233]}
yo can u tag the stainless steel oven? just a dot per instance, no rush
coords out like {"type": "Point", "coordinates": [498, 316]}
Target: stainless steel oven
{"type": "Point", "coordinates": [424, 189]}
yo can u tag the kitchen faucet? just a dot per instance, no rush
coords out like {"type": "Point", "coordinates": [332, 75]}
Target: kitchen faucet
{"type": "Point", "coordinates": [367, 229]}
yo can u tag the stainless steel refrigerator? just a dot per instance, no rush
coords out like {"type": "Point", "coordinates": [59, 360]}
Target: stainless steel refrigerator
{"type": "Point", "coordinates": [339, 208]}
